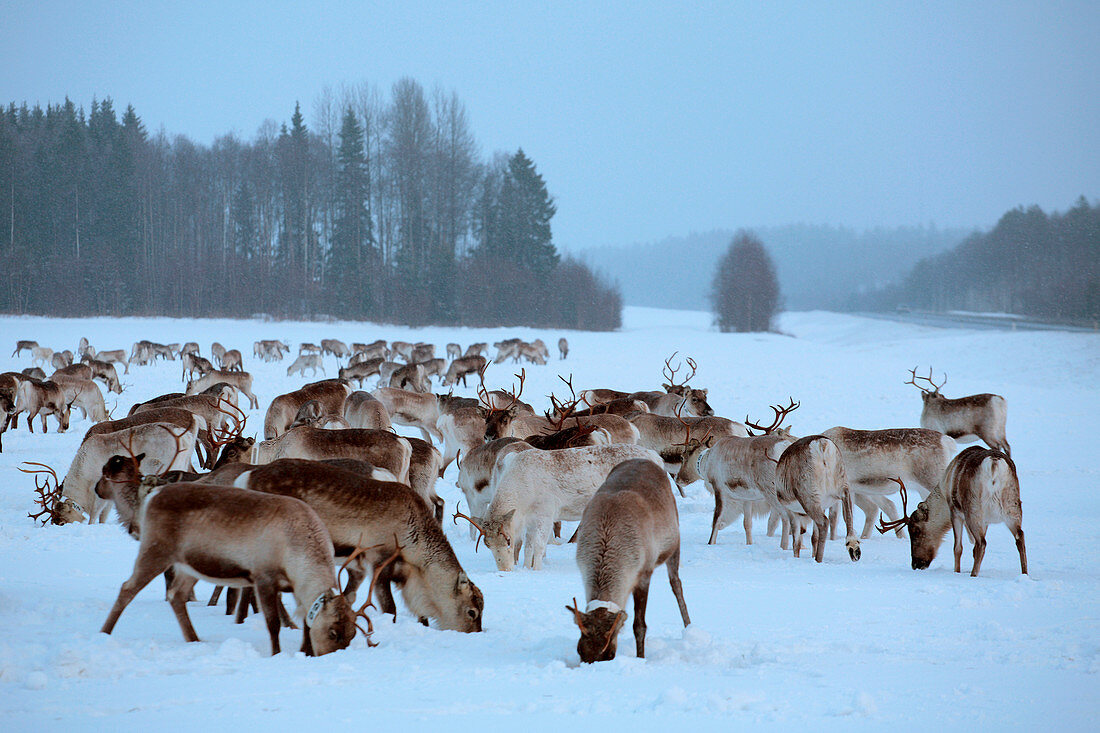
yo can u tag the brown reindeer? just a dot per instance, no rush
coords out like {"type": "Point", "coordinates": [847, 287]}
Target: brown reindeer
{"type": "Point", "coordinates": [331, 393]}
{"type": "Point", "coordinates": [104, 371]}
{"type": "Point", "coordinates": [361, 370]}
{"type": "Point", "coordinates": [241, 381]}
{"type": "Point", "coordinates": [383, 518]}
{"type": "Point", "coordinates": [363, 410]}
{"type": "Point", "coordinates": [630, 527]}
{"type": "Point", "coordinates": [461, 368]}
{"type": "Point", "coordinates": [41, 397]}
{"type": "Point", "coordinates": [979, 487]}
{"type": "Point", "coordinates": [811, 472]}
{"type": "Point", "coordinates": [21, 346]}
{"type": "Point", "coordinates": [241, 538]}
{"type": "Point", "coordinates": [966, 419]}
{"type": "Point", "coordinates": [379, 448]}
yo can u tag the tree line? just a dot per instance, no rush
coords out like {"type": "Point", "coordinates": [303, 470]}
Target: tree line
{"type": "Point", "coordinates": [381, 210]}
{"type": "Point", "coordinates": [1031, 263]}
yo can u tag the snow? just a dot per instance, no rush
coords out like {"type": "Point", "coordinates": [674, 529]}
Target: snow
{"type": "Point", "coordinates": [774, 641]}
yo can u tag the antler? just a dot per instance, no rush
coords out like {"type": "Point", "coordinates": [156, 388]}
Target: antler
{"type": "Point", "coordinates": [935, 387]}
{"type": "Point", "coordinates": [477, 526]}
{"type": "Point", "coordinates": [179, 447]}
{"type": "Point", "coordinates": [224, 436]}
{"type": "Point", "coordinates": [563, 410]}
{"type": "Point", "coordinates": [369, 603]}
{"type": "Point", "coordinates": [780, 415]}
{"type": "Point", "coordinates": [669, 373]}
{"type": "Point", "coordinates": [577, 615]}
{"type": "Point", "coordinates": [48, 498]}
{"type": "Point", "coordinates": [884, 526]}
{"type": "Point", "coordinates": [688, 426]}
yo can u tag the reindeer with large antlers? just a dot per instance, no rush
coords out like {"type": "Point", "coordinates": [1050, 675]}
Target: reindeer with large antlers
{"type": "Point", "coordinates": [677, 398]}
{"type": "Point", "coordinates": [966, 419]}
{"type": "Point", "coordinates": [739, 470]}
{"type": "Point", "coordinates": [630, 527]}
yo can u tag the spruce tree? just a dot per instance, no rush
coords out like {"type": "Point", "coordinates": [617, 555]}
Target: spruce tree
{"type": "Point", "coordinates": [745, 291]}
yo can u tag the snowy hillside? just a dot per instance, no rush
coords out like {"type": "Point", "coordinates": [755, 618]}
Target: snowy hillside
{"type": "Point", "coordinates": [774, 641]}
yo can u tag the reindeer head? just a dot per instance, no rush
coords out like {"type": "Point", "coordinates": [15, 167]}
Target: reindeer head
{"type": "Point", "coordinates": [923, 539]}
{"type": "Point", "coordinates": [498, 535]}
{"type": "Point", "coordinates": [497, 420]}
{"type": "Point", "coordinates": [329, 625]}
{"type": "Point", "coordinates": [599, 631]}
{"type": "Point", "coordinates": [927, 395]}
{"type": "Point", "coordinates": [464, 611]}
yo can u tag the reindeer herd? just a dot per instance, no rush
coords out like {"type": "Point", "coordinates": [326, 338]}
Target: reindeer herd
{"type": "Point", "coordinates": [331, 490]}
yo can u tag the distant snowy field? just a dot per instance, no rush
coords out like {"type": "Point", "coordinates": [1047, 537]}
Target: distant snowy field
{"type": "Point", "coordinates": [774, 642]}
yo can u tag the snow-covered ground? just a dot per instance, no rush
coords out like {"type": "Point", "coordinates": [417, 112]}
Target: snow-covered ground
{"type": "Point", "coordinates": [774, 641]}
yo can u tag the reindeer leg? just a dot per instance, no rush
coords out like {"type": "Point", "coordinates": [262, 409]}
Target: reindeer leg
{"type": "Point", "coordinates": [285, 618]}
{"type": "Point", "coordinates": [1018, 533]}
{"type": "Point", "coordinates": [641, 595]}
{"type": "Point", "coordinates": [147, 567]}
{"type": "Point", "coordinates": [717, 516]}
{"type": "Point", "coordinates": [245, 601]}
{"type": "Point", "coordinates": [746, 520]}
{"type": "Point", "coordinates": [177, 598]}
{"type": "Point", "coordinates": [850, 540]}
{"type": "Point", "coordinates": [833, 517]}
{"type": "Point", "coordinates": [215, 595]}
{"type": "Point", "coordinates": [957, 532]}
{"type": "Point", "coordinates": [979, 545]}
{"type": "Point", "coordinates": [773, 522]}
{"type": "Point", "coordinates": [673, 567]}
{"type": "Point", "coordinates": [269, 602]}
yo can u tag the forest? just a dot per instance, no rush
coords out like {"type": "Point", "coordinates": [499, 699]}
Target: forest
{"type": "Point", "coordinates": [1030, 263]}
{"type": "Point", "coordinates": [382, 209]}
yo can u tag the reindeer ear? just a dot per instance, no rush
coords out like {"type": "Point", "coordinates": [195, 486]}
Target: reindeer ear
{"type": "Point", "coordinates": [710, 441]}
{"type": "Point", "coordinates": [704, 391]}
{"type": "Point", "coordinates": [139, 457]}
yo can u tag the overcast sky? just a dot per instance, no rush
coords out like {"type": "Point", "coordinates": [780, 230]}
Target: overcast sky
{"type": "Point", "coordinates": [646, 119]}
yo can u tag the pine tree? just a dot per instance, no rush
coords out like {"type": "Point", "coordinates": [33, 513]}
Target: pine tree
{"type": "Point", "coordinates": [351, 258]}
{"type": "Point", "coordinates": [745, 291]}
{"type": "Point", "coordinates": [524, 210]}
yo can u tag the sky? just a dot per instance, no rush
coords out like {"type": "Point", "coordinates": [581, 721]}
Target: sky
{"type": "Point", "coordinates": [646, 119]}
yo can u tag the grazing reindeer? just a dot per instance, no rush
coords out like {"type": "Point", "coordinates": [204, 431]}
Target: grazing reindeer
{"type": "Point", "coordinates": [115, 356]}
{"type": "Point", "coordinates": [104, 371]}
{"type": "Point", "coordinates": [241, 381]}
{"type": "Point", "coordinates": [241, 538]}
{"type": "Point", "coordinates": [422, 352]}
{"type": "Point", "coordinates": [475, 473]}
{"type": "Point", "coordinates": [331, 393]}
{"type": "Point", "coordinates": [306, 361]}
{"type": "Point", "coordinates": [563, 348]}
{"type": "Point", "coordinates": [379, 448]}
{"type": "Point", "coordinates": [371, 519]}
{"type": "Point", "coordinates": [460, 368]}
{"type": "Point", "coordinates": [363, 410]}
{"type": "Point", "coordinates": [454, 351]}
{"type": "Point", "coordinates": [532, 353]}
{"type": "Point", "coordinates": [403, 349]}
{"type": "Point", "coordinates": [85, 394]}
{"type": "Point", "coordinates": [739, 471]}
{"type": "Point", "coordinates": [21, 346]}
{"type": "Point", "coordinates": [507, 348]}
{"type": "Point", "coordinates": [479, 348]}
{"type": "Point", "coordinates": [308, 348]}
{"type": "Point", "coordinates": [411, 409]}
{"type": "Point", "coordinates": [811, 472]}
{"type": "Point", "coordinates": [361, 370]}
{"type": "Point", "coordinates": [411, 377]}
{"type": "Point", "coordinates": [194, 364]}
{"type": "Point", "coordinates": [191, 347]}
{"type": "Point", "coordinates": [533, 489]}
{"type": "Point", "coordinates": [61, 359]}
{"type": "Point", "coordinates": [966, 419]}
{"type": "Point", "coordinates": [233, 361]}
{"type": "Point", "coordinates": [979, 487]}
{"type": "Point", "coordinates": [628, 528]}
{"type": "Point", "coordinates": [217, 353]}
{"type": "Point", "coordinates": [918, 456]}
{"type": "Point", "coordinates": [337, 348]}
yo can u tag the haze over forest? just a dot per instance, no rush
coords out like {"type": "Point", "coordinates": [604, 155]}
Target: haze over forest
{"type": "Point", "coordinates": [854, 141]}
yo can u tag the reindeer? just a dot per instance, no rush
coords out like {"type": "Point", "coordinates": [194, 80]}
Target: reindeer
{"type": "Point", "coordinates": [454, 351]}
{"type": "Point", "coordinates": [665, 435]}
{"type": "Point", "coordinates": [104, 371]}
{"type": "Point", "coordinates": [434, 367]}
{"type": "Point", "coordinates": [241, 381]}
{"type": "Point", "coordinates": [979, 487]}
{"type": "Point", "coordinates": [233, 361]}
{"type": "Point", "coordinates": [412, 409]}
{"type": "Point", "coordinates": [916, 455]}
{"type": "Point", "coordinates": [21, 346]}
{"type": "Point", "coordinates": [370, 519]}
{"type": "Point", "coordinates": [241, 538]}
{"type": "Point", "coordinates": [410, 377]}
{"type": "Point", "coordinates": [475, 473]}
{"type": "Point", "coordinates": [811, 473]}
{"type": "Point", "coordinates": [361, 370]}
{"type": "Point", "coordinates": [41, 355]}
{"type": "Point", "coordinates": [542, 350]}
{"type": "Point", "coordinates": [403, 349]}
{"type": "Point", "coordinates": [533, 489]}
{"type": "Point", "coordinates": [379, 448]}
{"type": "Point", "coordinates": [460, 368]}
{"type": "Point", "coordinates": [161, 446]}
{"type": "Point", "coordinates": [85, 394]}
{"type": "Point", "coordinates": [480, 347]}
{"type": "Point", "coordinates": [213, 407]}
{"type": "Point", "coordinates": [363, 410]}
{"type": "Point", "coordinates": [337, 348]}
{"type": "Point", "coordinates": [194, 364]}
{"type": "Point", "coordinates": [85, 349]}
{"type": "Point", "coordinates": [308, 348]}
{"type": "Point", "coordinates": [422, 352]}
{"type": "Point", "coordinates": [966, 419]}
{"type": "Point", "coordinates": [41, 397]}
{"type": "Point", "coordinates": [739, 470]}
{"type": "Point", "coordinates": [331, 393]}
{"type": "Point", "coordinates": [532, 353]}
{"type": "Point", "coordinates": [191, 347]}
{"type": "Point", "coordinates": [177, 417]}
{"type": "Point", "coordinates": [313, 414]}
{"type": "Point", "coordinates": [563, 348]}
{"type": "Point", "coordinates": [9, 383]}
{"type": "Point", "coordinates": [34, 373]}
{"type": "Point", "coordinates": [61, 359]}
{"type": "Point", "coordinates": [116, 356]}
{"type": "Point", "coordinates": [507, 348]}
{"type": "Point", "coordinates": [461, 427]}
{"type": "Point", "coordinates": [306, 361]}
{"type": "Point", "coordinates": [628, 528]}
